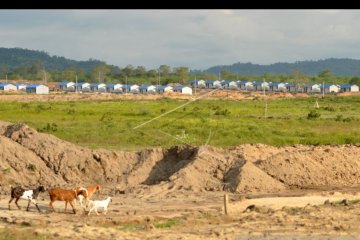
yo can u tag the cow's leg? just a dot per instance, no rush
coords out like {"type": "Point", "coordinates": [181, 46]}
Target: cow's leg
{"type": "Point", "coordinates": [17, 203]}
{"type": "Point", "coordinates": [71, 203]}
{"type": "Point", "coordinates": [27, 209]}
{"type": "Point", "coordinates": [10, 202]}
{"type": "Point", "coordinates": [51, 206]}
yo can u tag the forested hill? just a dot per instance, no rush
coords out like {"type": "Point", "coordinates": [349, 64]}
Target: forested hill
{"type": "Point", "coordinates": [14, 58]}
{"type": "Point", "coordinates": [338, 67]}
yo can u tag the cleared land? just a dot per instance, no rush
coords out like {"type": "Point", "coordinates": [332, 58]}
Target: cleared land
{"type": "Point", "coordinates": [177, 192]}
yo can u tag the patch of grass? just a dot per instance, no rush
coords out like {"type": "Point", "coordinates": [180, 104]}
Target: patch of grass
{"type": "Point", "coordinates": [131, 227]}
{"type": "Point", "coordinates": [167, 223]}
{"type": "Point", "coordinates": [6, 170]}
{"type": "Point", "coordinates": [231, 123]}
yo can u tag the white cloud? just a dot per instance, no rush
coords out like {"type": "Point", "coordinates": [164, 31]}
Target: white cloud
{"type": "Point", "coordinates": [195, 38]}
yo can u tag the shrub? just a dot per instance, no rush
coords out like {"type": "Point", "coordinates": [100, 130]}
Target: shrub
{"type": "Point", "coordinates": [313, 115]}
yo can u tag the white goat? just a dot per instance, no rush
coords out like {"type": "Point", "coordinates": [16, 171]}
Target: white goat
{"type": "Point", "coordinates": [95, 204]}
{"type": "Point", "coordinates": [81, 198]}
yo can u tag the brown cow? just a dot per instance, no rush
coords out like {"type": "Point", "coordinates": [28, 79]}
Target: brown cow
{"type": "Point", "coordinates": [58, 194]}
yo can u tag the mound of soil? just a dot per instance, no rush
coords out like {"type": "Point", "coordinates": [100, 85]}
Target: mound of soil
{"type": "Point", "coordinates": [30, 158]}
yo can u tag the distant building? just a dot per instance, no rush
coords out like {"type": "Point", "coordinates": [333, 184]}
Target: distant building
{"type": "Point", "coordinates": [312, 88]}
{"type": "Point", "coordinates": [183, 90]}
{"type": "Point", "coordinates": [245, 85]}
{"type": "Point", "coordinates": [97, 87]}
{"type": "Point", "coordinates": [163, 89]}
{"type": "Point", "coordinates": [37, 89]}
{"type": "Point", "coordinates": [130, 88]}
{"type": "Point", "coordinates": [329, 88]}
{"type": "Point", "coordinates": [66, 86]}
{"type": "Point", "coordinates": [229, 84]}
{"type": "Point", "coordinates": [114, 88]}
{"type": "Point", "coordinates": [213, 84]}
{"type": "Point", "coordinates": [197, 83]}
{"type": "Point", "coordinates": [349, 88]}
{"type": "Point", "coordinates": [277, 87]}
{"type": "Point", "coordinates": [21, 87]}
{"type": "Point", "coordinates": [7, 87]}
{"type": "Point", "coordinates": [260, 86]}
{"type": "Point", "coordinates": [147, 89]}
{"type": "Point", "coordinates": [83, 87]}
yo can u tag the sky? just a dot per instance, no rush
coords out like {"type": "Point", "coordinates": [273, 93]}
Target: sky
{"type": "Point", "coordinates": [198, 39]}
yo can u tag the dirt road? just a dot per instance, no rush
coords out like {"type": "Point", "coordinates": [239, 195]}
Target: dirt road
{"type": "Point", "coordinates": [188, 215]}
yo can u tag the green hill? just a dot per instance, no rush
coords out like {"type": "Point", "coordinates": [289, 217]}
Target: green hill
{"type": "Point", "coordinates": [338, 67]}
{"type": "Point", "coordinates": [12, 58]}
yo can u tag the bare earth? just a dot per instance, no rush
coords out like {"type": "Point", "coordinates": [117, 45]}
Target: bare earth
{"type": "Point", "coordinates": [202, 93]}
{"type": "Point", "coordinates": [294, 192]}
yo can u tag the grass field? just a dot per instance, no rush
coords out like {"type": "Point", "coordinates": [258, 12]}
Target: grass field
{"type": "Point", "coordinates": [109, 124]}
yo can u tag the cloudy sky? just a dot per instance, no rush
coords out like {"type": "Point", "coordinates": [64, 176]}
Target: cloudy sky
{"type": "Point", "coordinates": [195, 38]}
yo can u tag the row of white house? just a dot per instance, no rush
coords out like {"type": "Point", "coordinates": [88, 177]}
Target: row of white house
{"type": "Point", "coordinates": [274, 86]}
{"type": "Point", "coordinates": [30, 88]}
{"type": "Point", "coordinates": [121, 88]}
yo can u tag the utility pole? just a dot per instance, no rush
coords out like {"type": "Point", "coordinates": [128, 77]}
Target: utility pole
{"type": "Point", "coordinates": [265, 99]}
{"type": "Point", "coordinates": [158, 78]}
{"type": "Point", "coordinates": [126, 85]}
{"type": "Point", "coordinates": [44, 75]}
{"type": "Point", "coordinates": [195, 85]}
{"type": "Point", "coordinates": [76, 84]}
{"type": "Point", "coordinates": [99, 77]}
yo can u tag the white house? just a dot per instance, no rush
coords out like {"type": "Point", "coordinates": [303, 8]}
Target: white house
{"type": "Point", "coordinates": [260, 86]}
{"type": "Point", "coordinates": [229, 84]}
{"type": "Point", "coordinates": [183, 90]}
{"type": "Point", "coordinates": [329, 88]}
{"type": "Point", "coordinates": [7, 87]}
{"type": "Point", "coordinates": [349, 88]}
{"type": "Point", "coordinates": [213, 84]}
{"type": "Point", "coordinates": [245, 85]}
{"type": "Point", "coordinates": [83, 87]}
{"type": "Point", "coordinates": [37, 89]}
{"type": "Point", "coordinates": [67, 86]}
{"type": "Point", "coordinates": [312, 88]}
{"type": "Point", "coordinates": [114, 88]}
{"type": "Point", "coordinates": [290, 87]}
{"type": "Point", "coordinates": [147, 89]}
{"type": "Point", "coordinates": [130, 88]}
{"type": "Point", "coordinates": [197, 83]}
{"type": "Point", "coordinates": [162, 89]}
{"type": "Point", "coordinates": [21, 87]}
{"type": "Point", "coordinates": [277, 87]}
{"type": "Point", "coordinates": [98, 87]}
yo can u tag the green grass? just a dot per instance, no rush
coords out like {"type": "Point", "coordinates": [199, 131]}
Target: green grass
{"type": "Point", "coordinates": [130, 227]}
{"type": "Point", "coordinates": [109, 124]}
{"type": "Point", "coordinates": [167, 223]}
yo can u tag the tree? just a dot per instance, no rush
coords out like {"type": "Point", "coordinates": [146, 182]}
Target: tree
{"type": "Point", "coordinates": [128, 70]}
{"type": "Point", "coordinates": [326, 73]}
{"type": "Point", "coordinates": [99, 72]}
{"type": "Point", "coordinates": [225, 74]}
{"type": "Point", "coordinates": [140, 71]}
{"type": "Point", "coordinates": [183, 74]}
{"type": "Point", "coordinates": [165, 70]}
{"type": "Point", "coordinates": [152, 73]}
{"type": "Point", "coordinates": [355, 80]}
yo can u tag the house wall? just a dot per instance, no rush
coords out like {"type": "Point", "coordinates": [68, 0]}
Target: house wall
{"type": "Point", "coordinates": [42, 90]}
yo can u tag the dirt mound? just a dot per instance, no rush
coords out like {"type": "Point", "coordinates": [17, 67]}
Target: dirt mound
{"type": "Point", "coordinates": [315, 166]}
{"type": "Point", "coordinates": [28, 157]}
